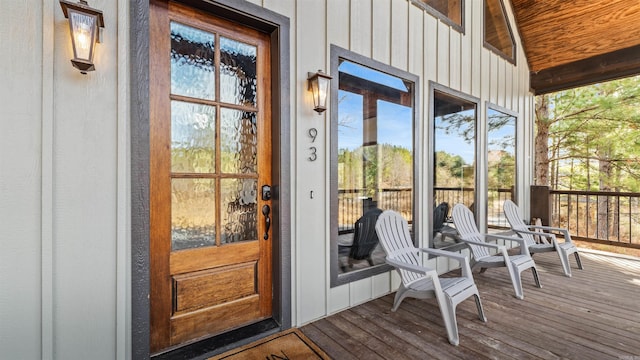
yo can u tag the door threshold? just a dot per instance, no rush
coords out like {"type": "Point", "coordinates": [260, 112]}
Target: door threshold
{"type": "Point", "coordinates": [218, 344]}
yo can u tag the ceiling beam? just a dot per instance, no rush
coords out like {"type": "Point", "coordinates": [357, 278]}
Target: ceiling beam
{"type": "Point", "coordinates": [610, 66]}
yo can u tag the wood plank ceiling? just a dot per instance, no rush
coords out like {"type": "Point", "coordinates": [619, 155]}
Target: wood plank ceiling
{"type": "Point", "coordinates": [574, 43]}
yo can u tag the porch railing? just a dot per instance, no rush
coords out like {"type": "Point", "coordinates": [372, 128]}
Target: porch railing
{"type": "Point", "coordinates": [598, 216]}
{"type": "Point", "coordinates": [352, 203]}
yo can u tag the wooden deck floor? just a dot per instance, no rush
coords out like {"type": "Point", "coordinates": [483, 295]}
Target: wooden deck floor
{"type": "Point", "coordinates": [593, 315]}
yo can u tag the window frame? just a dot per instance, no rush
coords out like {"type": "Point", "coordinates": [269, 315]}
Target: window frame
{"type": "Point", "coordinates": [444, 18]}
{"type": "Point", "coordinates": [430, 150]}
{"type": "Point", "coordinates": [487, 45]}
{"type": "Point", "coordinates": [338, 54]}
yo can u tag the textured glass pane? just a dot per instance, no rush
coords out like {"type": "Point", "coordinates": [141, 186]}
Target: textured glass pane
{"type": "Point", "coordinates": [193, 136]}
{"type": "Point", "coordinates": [237, 72]}
{"type": "Point", "coordinates": [192, 62]}
{"type": "Point", "coordinates": [238, 141]}
{"type": "Point", "coordinates": [239, 210]}
{"type": "Point", "coordinates": [193, 213]}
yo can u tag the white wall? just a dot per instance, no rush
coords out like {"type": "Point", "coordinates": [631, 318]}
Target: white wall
{"type": "Point", "coordinates": [63, 186]}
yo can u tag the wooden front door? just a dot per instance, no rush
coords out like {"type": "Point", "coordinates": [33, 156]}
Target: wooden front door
{"type": "Point", "coordinates": [210, 145]}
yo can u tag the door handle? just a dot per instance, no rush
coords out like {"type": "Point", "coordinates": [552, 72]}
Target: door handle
{"type": "Point", "coordinates": [267, 221]}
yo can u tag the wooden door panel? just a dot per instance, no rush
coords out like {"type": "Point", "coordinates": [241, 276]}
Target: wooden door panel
{"type": "Point", "coordinates": [193, 260]}
{"type": "Point", "coordinates": [215, 319]}
{"type": "Point", "coordinates": [213, 287]}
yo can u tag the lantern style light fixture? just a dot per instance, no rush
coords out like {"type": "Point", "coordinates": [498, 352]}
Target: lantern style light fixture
{"type": "Point", "coordinates": [319, 86]}
{"type": "Point", "coordinates": [83, 24]}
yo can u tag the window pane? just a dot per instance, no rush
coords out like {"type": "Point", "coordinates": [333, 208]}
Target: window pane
{"type": "Point", "coordinates": [193, 213]}
{"type": "Point", "coordinates": [237, 72]}
{"type": "Point", "coordinates": [238, 142]}
{"type": "Point", "coordinates": [239, 210]}
{"type": "Point", "coordinates": [192, 138]}
{"type": "Point", "coordinates": [448, 9]}
{"type": "Point", "coordinates": [501, 161]}
{"type": "Point", "coordinates": [496, 29]}
{"type": "Point", "coordinates": [192, 62]}
{"type": "Point", "coordinates": [375, 159]}
{"type": "Point", "coordinates": [454, 155]}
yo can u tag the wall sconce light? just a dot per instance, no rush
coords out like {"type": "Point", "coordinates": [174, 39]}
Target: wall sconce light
{"type": "Point", "coordinates": [319, 86]}
{"type": "Point", "coordinates": [83, 24]}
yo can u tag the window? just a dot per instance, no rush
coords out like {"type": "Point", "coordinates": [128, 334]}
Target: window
{"type": "Point", "coordinates": [372, 159]}
{"type": "Point", "coordinates": [497, 31]}
{"type": "Point", "coordinates": [501, 163]}
{"type": "Point", "coordinates": [454, 159]}
{"type": "Point", "coordinates": [450, 12]}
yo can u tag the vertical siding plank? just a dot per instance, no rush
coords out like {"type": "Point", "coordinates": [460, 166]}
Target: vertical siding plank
{"type": "Point", "coordinates": [477, 48]}
{"type": "Point", "coordinates": [443, 54]}
{"type": "Point", "coordinates": [430, 50]}
{"type": "Point", "coordinates": [310, 239]}
{"type": "Point", "coordinates": [455, 67]}
{"type": "Point", "coordinates": [493, 77]}
{"type": "Point", "coordinates": [399, 33]}
{"type": "Point", "coordinates": [381, 31]}
{"type": "Point", "coordinates": [361, 17]}
{"type": "Point", "coordinates": [337, 24]}
{"type": "Point", "coordinates": [502, 82]}
{"type": "Point", "coordinates": [283, 7]}
{"type": "Point", "coordinates": [466, 51]}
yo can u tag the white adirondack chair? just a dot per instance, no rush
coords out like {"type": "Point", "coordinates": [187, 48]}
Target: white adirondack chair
{"type": "Point", "coordinates": [548, 241]}
{"type": "Point", "coordinates": [480, 248]}
{"type": "Point", "coordinates": [422, 282]}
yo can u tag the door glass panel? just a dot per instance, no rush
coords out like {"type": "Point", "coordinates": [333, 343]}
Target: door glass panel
{"type": "Point", "coordinates": [501, 161]}
{"type": "Point", "coordinates": [193, 220]}
{"type": "Point", "coordinates": [192, 62]}
{"type": "Point", "coordinates": [192, 138]}
{"type": "Point", "coordinates": [239, 210]}
{"type": "Point", "coordinates": [238, 141]}
{"type": "Point", "coordinates": [237, 72]}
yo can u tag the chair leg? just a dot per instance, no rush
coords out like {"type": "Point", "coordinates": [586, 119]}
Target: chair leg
{"type": "Point", "coordinates": [515, 280]}
{"type": "Point", "coordinates": [536, 278]}
{"type": "Point", "coordinates": [578, 260]}
{"type": "Point", "coordinates": [448, 310]}
{"type": "Point", "coordinates": [564, 259]}
{"type": "Point", "coordinates": [481, 315]}
{"type": "Point", "coordinates": [401, 293]}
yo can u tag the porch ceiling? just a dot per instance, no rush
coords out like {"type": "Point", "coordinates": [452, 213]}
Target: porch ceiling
{"type": "Point", "coordinates": [574, 43]}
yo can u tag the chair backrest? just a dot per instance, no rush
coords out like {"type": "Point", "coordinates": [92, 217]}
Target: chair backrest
{"type": "Point", "coordinates": [364, 237]}
{"type": "Point", "coordinates": [393, 232]}
{"type": "Point", "coordinates": [466, 226]}
{"type": "Point", "coordinates": [439, 215]}
{"type": "Point", "coordinates": [516, 222]}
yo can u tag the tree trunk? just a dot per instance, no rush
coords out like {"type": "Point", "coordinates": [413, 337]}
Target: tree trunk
{"type": "Point", "coordinates": [542, 140]}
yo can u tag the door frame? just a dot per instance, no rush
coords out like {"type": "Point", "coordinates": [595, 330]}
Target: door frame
{"type": "Point", "coordinates": [277, 26]}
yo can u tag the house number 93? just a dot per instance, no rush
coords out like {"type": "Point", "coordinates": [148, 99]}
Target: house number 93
{"type": "Point", "coordinates": [313, 134]}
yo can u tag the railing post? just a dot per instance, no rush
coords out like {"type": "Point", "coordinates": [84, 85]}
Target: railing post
{"type": "Point", "coordinates": [540, 206]}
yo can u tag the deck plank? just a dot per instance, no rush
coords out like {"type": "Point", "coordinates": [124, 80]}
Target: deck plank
{"type": "Point", "coordinates": [595, 314]}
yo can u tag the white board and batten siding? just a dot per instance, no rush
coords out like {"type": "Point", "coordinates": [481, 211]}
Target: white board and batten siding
{"type": "Point", "coordinates": [64, 175]}
{"type": "Point", "coordinates": [400, 34]}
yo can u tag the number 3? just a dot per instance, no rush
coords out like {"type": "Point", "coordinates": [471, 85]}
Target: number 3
{"type": "Point", "coordinates": [313, 156]}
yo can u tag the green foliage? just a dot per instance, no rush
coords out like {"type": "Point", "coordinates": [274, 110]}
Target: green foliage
{"type": "Point", "coordinates": [594, 136]}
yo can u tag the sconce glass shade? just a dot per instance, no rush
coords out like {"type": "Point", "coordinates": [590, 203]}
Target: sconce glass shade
{"type": "Point", "coordinates": [83, 25]}
{"type": "Point", "coordinates": [319, 86]}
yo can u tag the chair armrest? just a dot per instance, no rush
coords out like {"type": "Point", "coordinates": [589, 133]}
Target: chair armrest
{"type": "Point", "coordinates": [565, 232]}
{"type": "Point", "coordinates": [489, 245]}
{"type": "Point", "coordinates": [524, 249]}
{"type": "Point", "coordinates": [462, 259]}
{"type": "Point", "coordinates": [552, 237]}
{"type": "Point", "coordinates": [409, 267]}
